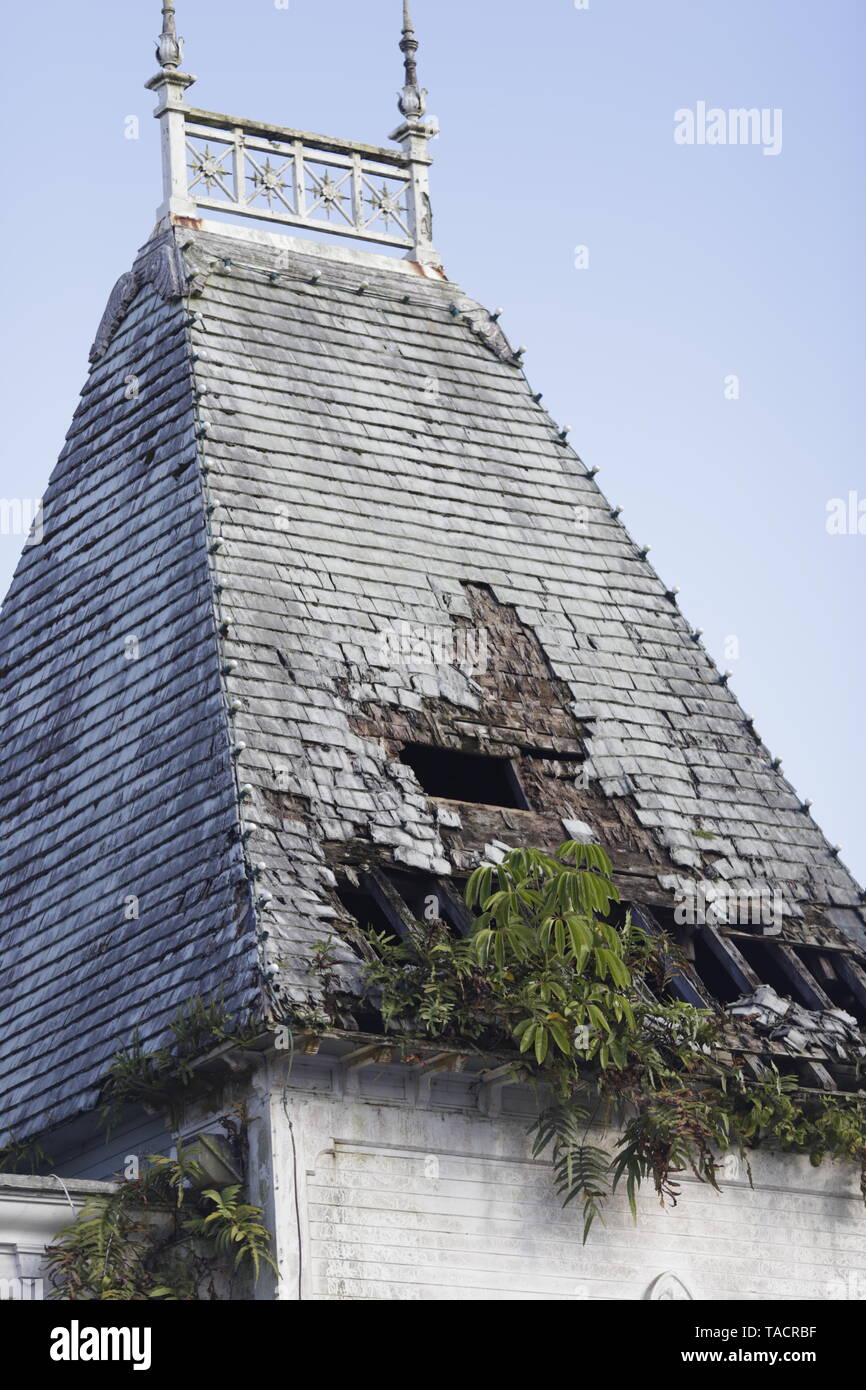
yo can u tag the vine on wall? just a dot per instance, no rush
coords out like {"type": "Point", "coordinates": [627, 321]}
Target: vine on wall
{"type": "Point", "coordinates": [584, 1003]}
{"type": "Point", "coordinates": [166, 1235]}
{"type": "Point", "coordinates": [547, 976]}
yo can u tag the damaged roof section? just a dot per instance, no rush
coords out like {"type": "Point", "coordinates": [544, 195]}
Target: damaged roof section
{"type": "Point", "coordinates": [382, 473]}
{"type": "Point", "coordinates": [825, 1033]}
{"type": "Point", "coordinates": [318, 491]}
{"type": "Point", "coordinates": [802, 1009]}
{"type": "Point", "coordinates": [809, 1026]}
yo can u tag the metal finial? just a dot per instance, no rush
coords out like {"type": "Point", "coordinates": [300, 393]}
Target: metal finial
{"type": "Point", "coordinates": [412, 101]}
{"type": "Point", "coordinates": [169, 48]}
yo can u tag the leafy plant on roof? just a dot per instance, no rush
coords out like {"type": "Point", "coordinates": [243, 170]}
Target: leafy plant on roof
{"type": "Point", "coordinates": [166, 1235]}
{"type": "Point", "coordinates": [28, 1155]}
{"type": "Point", "coordinates": [581, 1000]}
{"type": "Point", "coordinates": [161, 1079]}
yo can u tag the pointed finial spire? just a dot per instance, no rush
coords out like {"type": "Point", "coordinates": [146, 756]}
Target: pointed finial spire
{"type": "Point", "coordinates": [169, 48]}
{"type": "Point", "coordinates": [412, 100]}
{"type": "Point", "coordinates": [170, 84]}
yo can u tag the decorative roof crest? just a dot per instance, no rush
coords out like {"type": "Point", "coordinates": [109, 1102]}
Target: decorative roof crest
{"type": "Point", "coordinates": [249, 169]}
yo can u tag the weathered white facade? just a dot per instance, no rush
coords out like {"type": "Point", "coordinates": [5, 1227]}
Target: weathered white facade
{"type": "Point", "coordinates": [32, 1211]}
{"type": "Point", "coordinates": [388, 1182]}
{"type": "Point", "coordinates": [426, 1198]}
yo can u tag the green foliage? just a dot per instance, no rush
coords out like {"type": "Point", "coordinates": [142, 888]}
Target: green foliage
{"type": "Point", "coordinates": [164, 1235]}
{"type": "Point", "coordinates": [540, 969]}
{"type": "Point", "coordinates": [23, 1154]}
{"type": "Point", "coordinates": [158, 1237]}
{"type": "Point", "coordinates": [835, 1128]}
{"type": "Point", "coordinates": [545, 972]}
{"type": "Point", "coordinates": [160, 1080]}
{"type": "Point", "coordinates": [235, 1228]}
{"type": "Point", "coordinates": [580, 1169]}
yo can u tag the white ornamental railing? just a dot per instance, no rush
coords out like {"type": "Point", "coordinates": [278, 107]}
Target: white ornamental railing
{"type": "Point", "coordinates": [248, 169]}
{"type": "Point", "coordinates": [298, 179]}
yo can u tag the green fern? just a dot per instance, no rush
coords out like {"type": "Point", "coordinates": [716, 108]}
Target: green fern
{"type": "Point", "coordinates": [159, 1237]}
{"type": "Point", "coordinates": [584, 1002]}
{"type": "Point", "coordinates": [235, 1228]}
{"type": "Point", "coordinates": [581, 1171]}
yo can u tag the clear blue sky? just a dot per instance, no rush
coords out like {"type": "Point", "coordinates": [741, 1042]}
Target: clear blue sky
{"type": "Point", "coordinates": [557, 131]}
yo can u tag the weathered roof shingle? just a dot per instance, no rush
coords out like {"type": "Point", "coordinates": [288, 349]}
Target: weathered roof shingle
{"type": "Point", "coordinates": [353, 442]}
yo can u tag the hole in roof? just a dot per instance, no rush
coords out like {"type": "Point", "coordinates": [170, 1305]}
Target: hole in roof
{"type": "Point", "coordinates": [764, 960]}
{"type": "Point", "coordinates": [823, 966]}
{"type": "Point", "coordinates": [420, 895]}
{"type": "Point", "coordinates": [712, 973]}
{"type": "Point", "coordinates": [430, 899]}
{"type": "Point", "coordinates": [361, 905]}
{"type": "Point", "coordinates": [677, 979]}
{"type": "Point", "coordinates": [455, 776]}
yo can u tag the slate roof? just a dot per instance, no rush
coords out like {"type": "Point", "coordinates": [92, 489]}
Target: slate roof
{"type": "Point", "coordinates": [114, 758]}
{"type": "Point", "coordinates": [323, 445]}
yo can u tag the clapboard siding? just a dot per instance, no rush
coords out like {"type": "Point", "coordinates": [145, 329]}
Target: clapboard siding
{"type": "Point", "coordinates": [402, 1203]}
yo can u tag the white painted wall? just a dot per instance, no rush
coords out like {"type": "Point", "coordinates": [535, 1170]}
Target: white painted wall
{"type": "Point", "coordinates": [382, 1184]}
{"type": "Point", "coordinates": [401, 1198]}
{"type": "Point", "coordinates": [32, 1212]}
